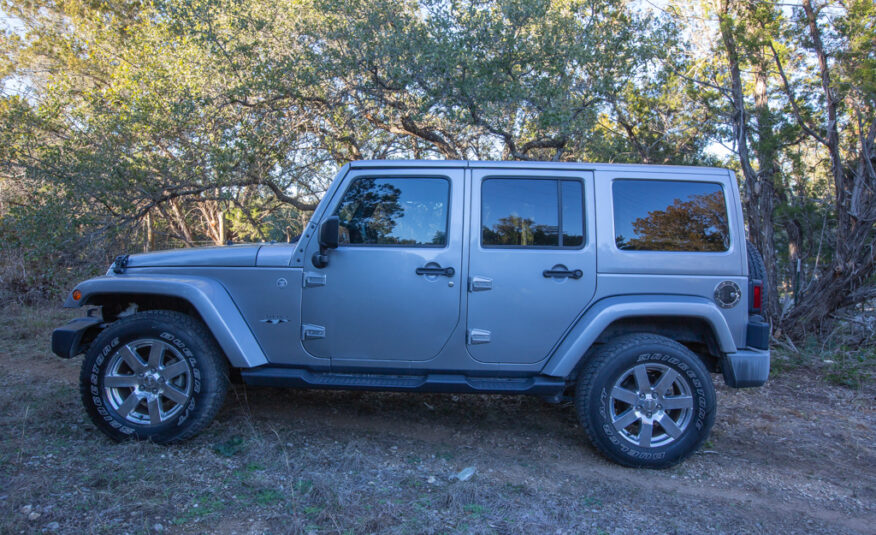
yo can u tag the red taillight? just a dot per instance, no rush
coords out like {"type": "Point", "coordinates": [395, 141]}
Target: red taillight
{"type": "Point", "coordinates": [757, 296]}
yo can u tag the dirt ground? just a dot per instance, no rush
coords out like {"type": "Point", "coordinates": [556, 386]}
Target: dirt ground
{"type": "Point", "coordinates": [797, 456]}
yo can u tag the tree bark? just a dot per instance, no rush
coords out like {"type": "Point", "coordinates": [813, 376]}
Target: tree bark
{"type": "Point", "coordinates": [762, 197]}
{"type": "Point", "coordinates": [836, 163]}
{"type": "Point", "coordinates": [759, 186]}
{"type": "Point", "coordinates": [180, 221]}
{"type": "Point", "coordinates": [848, 278]}
{"type": "Point", "coordinates": [150, 235]}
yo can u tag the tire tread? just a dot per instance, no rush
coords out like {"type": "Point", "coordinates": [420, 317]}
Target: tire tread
{"type": "Point", "coordinates": [587, 377]}
{"type": "Point", "coordinates": [210, 400]}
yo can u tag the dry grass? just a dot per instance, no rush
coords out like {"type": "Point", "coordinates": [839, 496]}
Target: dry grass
{"type": "Point", "coordinates": [795, 456]}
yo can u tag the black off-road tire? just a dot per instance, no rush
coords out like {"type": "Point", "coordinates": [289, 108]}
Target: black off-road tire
{"type": "Point", "coordinates": [184, 338]}
{"type": "Point", "coordinates": [616, 360]}
{"type": "Point", "coordinates": [756, 267]}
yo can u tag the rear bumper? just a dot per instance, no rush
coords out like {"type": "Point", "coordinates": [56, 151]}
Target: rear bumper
{"type": "Point", "coordinates": [747, 367]}
{"type": "Point", "coordinates": [757, 333]}
{"type": "Point", "coordinates": [67, 340]}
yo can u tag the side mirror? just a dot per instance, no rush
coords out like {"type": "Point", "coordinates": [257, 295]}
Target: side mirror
{"type": "Point", "coordinates": [328, 233]}
{"type": "Point", "coordinates": [328, 239]}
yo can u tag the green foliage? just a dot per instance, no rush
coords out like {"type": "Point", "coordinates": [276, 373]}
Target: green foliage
{"type": "Point", "coordinates": [133, 125]}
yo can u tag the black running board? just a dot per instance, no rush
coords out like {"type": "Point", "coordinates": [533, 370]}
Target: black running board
{"type": "Point", "coordinates": [299, 378]}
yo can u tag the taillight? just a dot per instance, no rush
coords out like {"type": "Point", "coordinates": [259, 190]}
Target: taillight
{"type": "Point", "coordinates": [757, 296]}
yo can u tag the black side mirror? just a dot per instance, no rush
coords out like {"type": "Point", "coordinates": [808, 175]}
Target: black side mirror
{"type": "Point", "coordinates": [328, 233]}
{"type": "Point", "coordinates": [328, 239]}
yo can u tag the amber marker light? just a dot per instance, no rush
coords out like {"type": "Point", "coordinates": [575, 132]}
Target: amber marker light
{"type": "Point", "coordinates": [77, 295]}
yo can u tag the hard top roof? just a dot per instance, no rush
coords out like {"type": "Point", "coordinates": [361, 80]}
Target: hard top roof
{"type": "Point", "coordinates": [528, 164]}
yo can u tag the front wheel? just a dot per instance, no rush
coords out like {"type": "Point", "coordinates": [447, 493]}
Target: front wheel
{"type": "Point", "coordinates": [156, 375]}
{"type": "Point", "coordinates": [645, 401]}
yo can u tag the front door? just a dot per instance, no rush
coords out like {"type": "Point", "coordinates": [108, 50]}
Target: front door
{"type": "Point", "coordinates": [533, 261]}
{"type": "Point", "coordinates": [391, 291]}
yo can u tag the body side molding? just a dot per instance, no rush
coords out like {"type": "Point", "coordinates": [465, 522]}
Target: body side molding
{"type": "Point", "coordinates": [209, 298]}
{"type": "Point", "coordinates": [602, 313]}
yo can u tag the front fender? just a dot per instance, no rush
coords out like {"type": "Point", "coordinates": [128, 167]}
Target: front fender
{"type": "Point", "coordinates": [603, 313]}
{"type": "Point", "coordinates": [209, 298]}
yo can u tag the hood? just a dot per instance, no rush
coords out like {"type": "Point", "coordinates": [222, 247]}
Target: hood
{"type": "Point", "coordinates": [222, 256]}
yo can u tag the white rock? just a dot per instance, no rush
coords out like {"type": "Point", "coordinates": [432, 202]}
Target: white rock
{"type": "Point", "coordinates": [465, 474]}
{"type": "Point", "coordinates": [33, 516]}
{"type": "Point", "coordinates": [158, 527]}
{"type": "Point", "coordinates": [53, 526]}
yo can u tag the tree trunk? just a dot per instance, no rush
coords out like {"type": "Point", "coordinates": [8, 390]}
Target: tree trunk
{"type": "Point", "coordinates": [150, 235]}
{"type": "Point", "coordinates": [758, 187]}
{"type": "Point", "coordinates": [847, 280]}
{"type": "Point", "coordinates": [762, 197]}
{"type": "Point", "coordinates": [180, 221]}
{"type": "Point", "coordinates": [836, 163]}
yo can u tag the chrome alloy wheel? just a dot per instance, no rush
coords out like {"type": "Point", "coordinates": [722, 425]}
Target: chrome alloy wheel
{"type": "Point", "coordinates": [147, 382]}
{"type": "Point", "coordinates": [651, 405]}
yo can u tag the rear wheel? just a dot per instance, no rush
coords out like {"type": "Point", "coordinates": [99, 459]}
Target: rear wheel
{"type": "Point", "coordinates": [155, 375]}
{"type": "Point", "coordinates": [645, 401]}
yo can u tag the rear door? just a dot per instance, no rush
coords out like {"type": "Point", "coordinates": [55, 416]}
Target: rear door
{"type": "Point", "coordinates": [532, 268]}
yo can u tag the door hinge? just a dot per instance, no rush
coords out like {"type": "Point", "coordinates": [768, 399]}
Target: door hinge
{"type": "Point", "coordinates": [479, 284]}
{"type": "Point", "coordinates": [312, 332]}
{"type": "Point", "coordinates": [313, 278]}
{"type": "Point", "coordinates": [478, 336]}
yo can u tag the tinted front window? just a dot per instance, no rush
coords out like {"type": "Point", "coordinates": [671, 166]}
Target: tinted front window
{"type": "Point", "coordinates": [663, 215]}
{"type": "Point", "coordinates": [527, 213]}
{"type": "Point", "coordinates": [395, 211]}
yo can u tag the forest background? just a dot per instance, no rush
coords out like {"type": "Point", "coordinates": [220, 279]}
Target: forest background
{"type": "Point", "coordinates": [133, 125]}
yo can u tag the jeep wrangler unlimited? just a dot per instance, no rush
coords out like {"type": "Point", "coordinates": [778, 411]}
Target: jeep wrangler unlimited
{"type": "Point", "coordinates": [620, 286]}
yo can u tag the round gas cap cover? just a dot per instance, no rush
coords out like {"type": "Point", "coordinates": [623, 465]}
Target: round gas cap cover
{"type": "Point", "coordinates": [727, 294]}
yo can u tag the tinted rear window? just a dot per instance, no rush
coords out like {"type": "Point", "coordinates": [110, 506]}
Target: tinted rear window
{"type": "Point", "coordinates": [668, 215]}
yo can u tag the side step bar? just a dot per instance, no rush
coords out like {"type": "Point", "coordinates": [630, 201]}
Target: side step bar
{"type": "Point", "coordinates": [300, 378]}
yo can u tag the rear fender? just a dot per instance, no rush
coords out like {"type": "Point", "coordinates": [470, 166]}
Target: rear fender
{"type": "Point", "coordinates": [603, 313]}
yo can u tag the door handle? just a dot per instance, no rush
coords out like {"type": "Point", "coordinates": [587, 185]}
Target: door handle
{"type": "Point", "coordinates": [573, 273]}
{"type": "Point", "coordinates": [447, 272]}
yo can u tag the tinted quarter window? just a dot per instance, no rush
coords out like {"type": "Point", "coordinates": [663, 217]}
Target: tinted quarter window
{"type": "Point", "coordinates": [665, 215]}
{"type": "Point", "coordinates": [395, 211]}
{"type": "Point", "coordinates": [532, 213]}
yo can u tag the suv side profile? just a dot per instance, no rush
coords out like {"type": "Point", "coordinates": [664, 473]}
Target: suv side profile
{"type": "Point", "coordinates": [621, 287]}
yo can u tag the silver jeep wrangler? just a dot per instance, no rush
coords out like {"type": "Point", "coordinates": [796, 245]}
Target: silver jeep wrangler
{"type": "Point", "coordinates": [619, 286]}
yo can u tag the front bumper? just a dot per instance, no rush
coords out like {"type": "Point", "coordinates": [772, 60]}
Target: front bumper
{"type": "Point", "coordinates": [747, 367]}
{"type": "Point", "coordinates": [67, 341]}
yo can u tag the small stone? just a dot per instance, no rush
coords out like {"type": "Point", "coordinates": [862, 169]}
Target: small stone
{"type": "Point", "coordinates": [158, 527]}
{"type": "Point", "coordinates": [33, 516]}
{"type": "Point", "coordinates": [26, 509]}
{"type": "Point", "coordinates": [53, 526]}
{"type": "Point", "coordinates": [465, 474]}
{"type": "Point", "coordinates": [431, 480]}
